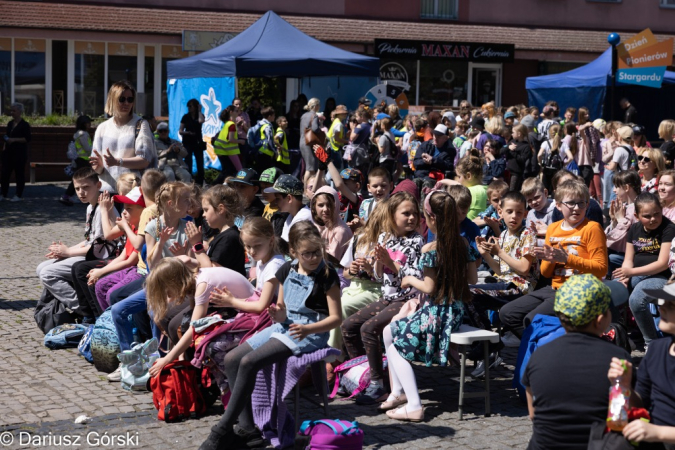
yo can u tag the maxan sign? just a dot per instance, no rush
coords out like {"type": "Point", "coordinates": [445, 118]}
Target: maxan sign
{"type": "Point", "coordinates": [464, 51]}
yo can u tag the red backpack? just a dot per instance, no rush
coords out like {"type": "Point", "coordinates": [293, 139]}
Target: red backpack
{"type": "Point", "coordinates": [176, 392]}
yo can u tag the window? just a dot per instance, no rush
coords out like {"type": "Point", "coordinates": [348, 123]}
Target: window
{"type": "Point", "coordinates": [5, 72]}
{"type": "Point", "coordinates": [439, 9]}
{"type": "Point", "coordinates": [29, 74]}
{"type": "Point", "coordinates": [667, 3]}
{"type": "Point", "coordinates": [89, 78]}
{"type": "Point", "coordinates": [169, 53]}
{"type": "Point", "coordinates": [442, 82]}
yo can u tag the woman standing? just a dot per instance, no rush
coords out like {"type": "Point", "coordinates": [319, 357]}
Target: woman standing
{"type": "Point", "coordinates": [122, 144]}
{"type": "Point", "coordinates": [191, 131]}
{"type": "Point", "coordinates": [82, 140]}
{"type": "Point", "coordinates": [15, 153]}
{"type": "Point", "coordinates": [309, 120]}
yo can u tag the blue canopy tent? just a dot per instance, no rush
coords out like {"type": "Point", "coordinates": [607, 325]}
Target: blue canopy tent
{"type": "Point", "coordinates": [270, 47]}
{"type": "Point", "coordinates": [588, 85]}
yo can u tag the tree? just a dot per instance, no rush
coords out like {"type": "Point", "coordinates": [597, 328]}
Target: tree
{"type": "Point", "coordinates": [265, 89]}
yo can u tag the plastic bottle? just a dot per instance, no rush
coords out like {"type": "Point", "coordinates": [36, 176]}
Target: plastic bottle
{"type": "Point", "coordinates": [137, 338]}
{"type": "Point", "coordinates": [617, 413]}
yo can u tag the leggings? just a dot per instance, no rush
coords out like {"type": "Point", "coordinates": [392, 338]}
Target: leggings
{"type": "Point", "coordinates": [230, 165]}
{"type": "Point", "coordinates": [241, 366]}
{"type": "Point", "coordinates": [361, 333]}
{"type": "Point", "coordinates": [13, 161]}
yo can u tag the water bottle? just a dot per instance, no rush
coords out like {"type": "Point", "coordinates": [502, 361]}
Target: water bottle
{"type": "Point", "coordinates": [617, 413]}
{"type": "Point", "coordinates": [137, 338]}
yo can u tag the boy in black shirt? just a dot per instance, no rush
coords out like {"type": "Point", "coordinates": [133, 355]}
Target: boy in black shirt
{"type": "Point", "coordinates": [565, 379]}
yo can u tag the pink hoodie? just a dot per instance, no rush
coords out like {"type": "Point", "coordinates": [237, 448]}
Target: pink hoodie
{"type": "Point", "coordinates": [338, 237]}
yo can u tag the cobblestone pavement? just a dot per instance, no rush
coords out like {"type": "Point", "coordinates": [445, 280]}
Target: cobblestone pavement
{"type": "Point", "coordinates": [43, 391]}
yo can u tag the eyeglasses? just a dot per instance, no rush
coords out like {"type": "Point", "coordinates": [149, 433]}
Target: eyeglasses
{"type": "Point", "coordinates": [307, 256]}
{"type": "Point", "coordinates": [126, 99]}
{"type": "Point", "coordinates": [572, 205]}
{"type": "Point", "coordinates": [644, 159]}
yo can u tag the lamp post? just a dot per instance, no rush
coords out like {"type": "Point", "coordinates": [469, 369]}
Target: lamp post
{"type": "Point", "coordinates": [613, 40]}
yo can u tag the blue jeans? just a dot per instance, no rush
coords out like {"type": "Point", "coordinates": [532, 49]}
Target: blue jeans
{"type": "Point", "coordinates": [615, 261]}
{"type": "Point", "coordinates": [120, 314]}
{"type": "Point", "coordinates": [639, 305]}
{"type": "Point", "coordinates": [607, 185]}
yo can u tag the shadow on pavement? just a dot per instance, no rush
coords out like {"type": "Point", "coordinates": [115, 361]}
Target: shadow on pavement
{"type": "Point", "coordinates": [40, 207]}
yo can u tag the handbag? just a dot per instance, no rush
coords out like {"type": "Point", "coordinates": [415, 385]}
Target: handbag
{"type": "Point", "coordinates": [102, 249]}
{"type": "Point", "coordinates": [135, 364]}
{"type": "Point", "coordinates": [314, 137]}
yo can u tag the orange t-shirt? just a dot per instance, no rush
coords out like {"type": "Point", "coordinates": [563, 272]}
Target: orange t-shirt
{"type": "Point", "coordinates": [586, 246]}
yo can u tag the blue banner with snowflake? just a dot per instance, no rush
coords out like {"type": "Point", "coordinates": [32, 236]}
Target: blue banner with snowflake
{"type": "Point", "coordinates": [213, 94]}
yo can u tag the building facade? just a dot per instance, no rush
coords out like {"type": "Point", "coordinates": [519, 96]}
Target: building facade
{"type": "Point", "coordinates": [62, 57]}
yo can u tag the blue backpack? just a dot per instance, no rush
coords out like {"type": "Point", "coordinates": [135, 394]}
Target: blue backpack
{"type": "Point", "coordinates": [541, 331]}
{"type": "Point", "coordinates": [105, 344]}
{"type": "Point", "coordinates": [64, 336]}
{"type": "Point", "coordinates": [329, 434]}
{"type": "Point", "coordinates": [84, 347]}
{"type": "Point", "coordinates": [253, 136]}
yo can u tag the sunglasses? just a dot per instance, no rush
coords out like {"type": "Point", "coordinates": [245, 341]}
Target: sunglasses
{"type": "Point", "coordinates": [126, 99]}
{"type": "Point", "coordinates": [644, 159]}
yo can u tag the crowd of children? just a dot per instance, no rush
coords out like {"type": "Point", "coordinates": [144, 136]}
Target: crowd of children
{"type": "Point", "coordinates": [392, 261]}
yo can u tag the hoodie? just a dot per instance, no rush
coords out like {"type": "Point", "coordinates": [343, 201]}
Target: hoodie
{"type": "Point", "coordinates": [338, 237]}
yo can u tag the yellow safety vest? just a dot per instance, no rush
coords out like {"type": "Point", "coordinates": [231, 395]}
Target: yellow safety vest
{"type": "Point", "coordinates": [332, 135]}
{"type": "Point", "coordinates": [284, 157]}
{"type": "Point", "coordinates": [81, 151]}
{"type": "Point", "coordinates": [264, 149]}
{"type": "Point", "coordinates": [222, 146]}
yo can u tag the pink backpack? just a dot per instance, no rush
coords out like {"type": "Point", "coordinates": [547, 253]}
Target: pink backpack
{"type": "Point", "coordinates": [329, 435]}
{"type": "Point", "coordinates": [353, 376]}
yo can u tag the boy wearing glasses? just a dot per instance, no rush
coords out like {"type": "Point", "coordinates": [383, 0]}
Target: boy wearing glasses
{"type": "Point", "coordinates": [572, 246]}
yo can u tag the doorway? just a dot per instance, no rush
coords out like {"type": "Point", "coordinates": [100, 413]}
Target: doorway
{"type": "Point", "coordinates": [485, 83]}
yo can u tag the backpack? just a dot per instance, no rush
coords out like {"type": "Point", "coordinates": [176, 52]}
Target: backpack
{"type": "Point", "coordinates": [253, 136]}
{"type": "Point", "coordinates": [71, 154]}
{"type": "Point", "coordinates": [617, 335]}
{"type": "Point", "coordinates": [552, 159]}
{"type": "Point", "coordinates": [632, 158]}
{"type": "Point", "coordinates": [49, 313]}
{"type": "Point", "coordinates": [412, 151]}
{"type": "Point", "coordinates": [541, 331]}
{"type": "Point", "coordinates": [176, 392]}
{"type": "Point", "coordinates": [329, 434]}
{"type": "Point", "coordinates": [64, 336]}
{"type": "Point", "coordinates": [105, 344]}
{"type": "Point", "coordinates": [393, 149]}
{"type": "Point", "coordinates": [136, 361]}
{"type": "Point", "coordinates": [353, 377]}
{"type": "Point", "coordinates": [84, 347]}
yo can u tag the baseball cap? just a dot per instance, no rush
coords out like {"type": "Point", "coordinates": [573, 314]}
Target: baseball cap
{"type": "Point", "coordinates": [509, 114]}
{"type": "Point", "coordinates": [638, 129]}
{"type": "Point", "coordinates": [340, 109]}
{"type": "Point", "coordinates": [441, 129]}
{"type": "Point", "coordinates": [286, 184]}
{"type": "Point", "coordinates": [133, 197]}
{"type": "Point", "coordinates": [582, 298]}
{"type": "Point", "coordinates": [548, 109]}
{"type": "Point", "coordinates": [162, 126]}
{"type": "Point", "coordinates": [364, 101]}
{"type": "Point", "coordinates": [625, 133]}
{"type": "Point", "coordinates": [351, 174]}
{"type": "Point", "coordinates": [599, 124]}
{"type": "Point", "coordinates": [451, 117]}
{"type": "Point", "coordinates": [270, 175]}
{"type": "Point", "coordinates": [478, 122]}
{"type": "Point", "coordinates": [245, 176]}
{"type": "Point", "coordinates": [661, 296]}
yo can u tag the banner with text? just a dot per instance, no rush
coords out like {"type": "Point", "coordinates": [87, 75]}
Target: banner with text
{"type": "Point", "coordinates": [463, 51]}
{"type": "Point", "coordinates": [643, 60]}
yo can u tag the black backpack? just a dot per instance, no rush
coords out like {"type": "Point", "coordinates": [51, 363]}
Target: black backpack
{"type": "Point", "coordinates": [50, 313]}
{"type": "Point", "coordinates": [617, 335]}
{"type": "Point", "coordinates": [552, 159]}
{"type": "Point", "coordinates": [632, 158]}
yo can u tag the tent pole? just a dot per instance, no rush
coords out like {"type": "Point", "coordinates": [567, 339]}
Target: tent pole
{"type": "Point", "coordinates": [613, 40]}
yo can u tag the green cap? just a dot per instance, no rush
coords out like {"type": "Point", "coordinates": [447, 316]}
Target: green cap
{"type": "Point", "coordinates": [582, 298]}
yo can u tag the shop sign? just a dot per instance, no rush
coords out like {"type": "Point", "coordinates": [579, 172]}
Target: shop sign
{"type": "Point", "coordinates": [463, 51]}
{"type": "Point", "coordinates": [647, 76]}
{"type": "Point", "coordinates": [201, 41]}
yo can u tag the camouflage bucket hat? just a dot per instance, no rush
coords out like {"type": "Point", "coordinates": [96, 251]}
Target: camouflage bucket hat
{"type": "Point", "coordinates": [582, 298]}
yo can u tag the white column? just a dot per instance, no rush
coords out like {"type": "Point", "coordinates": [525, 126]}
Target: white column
{"type": "Point", "coordinates": [105, 74]}
{"type": "Point", "coordinates": [11, 75]}
{"type": "Point", "coordinates": [70, 78]}
{"type": "Point", "coordinates": [48, 77]}
{"type": "Point", "coordinates": [140, 79]}
{"type": "Point", "coordinates": [158, 81]}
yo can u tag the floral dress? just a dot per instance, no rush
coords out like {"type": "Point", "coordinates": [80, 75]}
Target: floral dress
{"type": "Point", "coordinates": [424, 336]}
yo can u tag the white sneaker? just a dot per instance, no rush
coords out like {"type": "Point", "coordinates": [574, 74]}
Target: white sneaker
{"type": "Point", "coordinates": [116, 376]}
{"type": "Point", "coordinates": [510, 340]}
{"type": "Point", "coordinates": [16, 199]}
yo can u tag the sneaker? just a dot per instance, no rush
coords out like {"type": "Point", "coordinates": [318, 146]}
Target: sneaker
{"type": "Point", "coordinates": [16, 199]}
{"type": "Point", "coordinates": [251, 439]}
{"type": "Point", "coordinates": [215, 441]}
{"type": "Point", "coordinates": [510, 340]}
{"type": "Point", "coordinates": [116, 376]}
{"type": "Point", "coordinates": [479, 372]}
{"type": "Point", "coordinates": [374, 393]}
{"type": "Point", "coordinates": [66, 200]}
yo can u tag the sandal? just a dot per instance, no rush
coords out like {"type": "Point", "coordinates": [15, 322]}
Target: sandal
{"type": "Point", "coordinates": [402, 414]}
{"type": "Point", "coordinates": [395, 403]}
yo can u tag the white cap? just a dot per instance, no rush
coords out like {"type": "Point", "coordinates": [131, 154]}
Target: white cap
{"type": "Point", "coordinates": [441, 129]}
